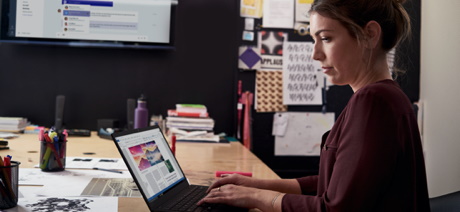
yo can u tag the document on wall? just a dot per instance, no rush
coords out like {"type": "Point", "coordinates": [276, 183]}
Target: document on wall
{"type": "Point", "coordinates": [278, 14]}
{"type": "Point", "coordinates": [271, 48]}
{"type": "Point", "coordinates": [301, 10]}
{"type": "Point", "coordinates": [251, 8]}
{"type": "Point", "coordinates": [303, 81]}
{"type": "Point", "coordinates": [300, 133]}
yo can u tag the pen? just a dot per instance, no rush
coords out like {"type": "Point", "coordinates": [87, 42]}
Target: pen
{"type": "Point", "coordinates": [108, 170]}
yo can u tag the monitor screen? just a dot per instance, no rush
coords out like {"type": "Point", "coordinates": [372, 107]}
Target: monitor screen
{"type": "Point", "coordinates": [104, 23]}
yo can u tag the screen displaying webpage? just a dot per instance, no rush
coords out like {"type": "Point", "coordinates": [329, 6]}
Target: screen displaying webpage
{"type": "Point", "coordinates": [151, 160]}
{"type": "Point", "coordinates": [112, 20]}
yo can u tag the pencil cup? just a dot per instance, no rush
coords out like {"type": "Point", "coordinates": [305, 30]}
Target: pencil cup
{"type": "Point", "coordinates": [9, 185]}
{"type": "Point", "coordinates": [52, 156]}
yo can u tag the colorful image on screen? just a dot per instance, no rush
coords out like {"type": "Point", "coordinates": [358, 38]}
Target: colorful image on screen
{"type": "Point", "coordinates": [146, 155]}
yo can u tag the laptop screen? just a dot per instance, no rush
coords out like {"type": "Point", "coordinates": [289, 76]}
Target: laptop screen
{"type": "Point", "coordinates": [147, 154]}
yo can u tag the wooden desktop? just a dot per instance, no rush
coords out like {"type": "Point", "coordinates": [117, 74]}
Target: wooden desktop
{"type": "Point", "coordinates": [199, 161]}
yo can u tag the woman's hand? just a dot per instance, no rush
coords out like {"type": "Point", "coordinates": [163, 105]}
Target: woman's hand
{"type": "Point", "coordinates": [240, 196]}
{"type": "Point", "coordinates": [235, 179]}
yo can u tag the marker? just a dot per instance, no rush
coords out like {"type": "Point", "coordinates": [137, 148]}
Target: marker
{"type": "Point", "coordinates": [220, 173]}
{"type": "Point", "coordinates": [173, 144]}
{"type": "Point", "coordinates": [108, 170]}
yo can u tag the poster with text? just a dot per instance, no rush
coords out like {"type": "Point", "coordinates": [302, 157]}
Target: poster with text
{"type": "Point", "coordinates": [271, 49]}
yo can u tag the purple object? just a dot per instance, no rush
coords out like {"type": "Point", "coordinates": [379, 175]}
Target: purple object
{"type": "Point", "coordinates": [250, 57]}
{"type": "Point", "coordinates": [141, 113]}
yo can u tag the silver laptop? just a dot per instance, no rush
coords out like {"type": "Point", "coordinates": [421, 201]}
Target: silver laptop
{"type": "Point", "coordinates": [157, 173]}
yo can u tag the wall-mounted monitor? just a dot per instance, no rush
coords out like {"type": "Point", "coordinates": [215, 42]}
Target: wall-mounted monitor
{"type": "Point", "coordinates": [100, 23]}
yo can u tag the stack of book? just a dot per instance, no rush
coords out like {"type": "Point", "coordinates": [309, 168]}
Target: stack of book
{"type": "Point", "coordinates": [191, 122]}
{"type": "Point", "coordinates": [189, 110]}
{"type": "Point", "coordinates": [12, 124]}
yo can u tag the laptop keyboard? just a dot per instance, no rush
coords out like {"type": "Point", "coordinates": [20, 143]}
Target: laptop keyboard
{"type": "Point", "coordinates": [187, 201]}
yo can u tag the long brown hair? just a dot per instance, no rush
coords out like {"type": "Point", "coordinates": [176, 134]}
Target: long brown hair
{"type": "Point", "coordinates": [355, 14]}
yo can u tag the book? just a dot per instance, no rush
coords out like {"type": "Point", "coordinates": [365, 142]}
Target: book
{"type": "Point", "coordinates": [173, 112]}
{"type": "Point", "coordinates": [190, 126]}
{"type": "Point", "coordinates": [12, 124]}
{"type": "Point", "coordinates": [205, 138]}
{"type": "Point", "coordinates": [191, 108]}
{"type": "Point", "coordinates": [190, 119]}
{"type": "Point", "coordinates": [13, 120]}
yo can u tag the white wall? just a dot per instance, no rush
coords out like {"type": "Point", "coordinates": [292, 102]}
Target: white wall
{"type": "Point", "coordinates": [440, 93]}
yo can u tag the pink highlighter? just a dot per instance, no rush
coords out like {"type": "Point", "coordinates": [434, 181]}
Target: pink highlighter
{"type": "Point", "coordinates": [220, 173]}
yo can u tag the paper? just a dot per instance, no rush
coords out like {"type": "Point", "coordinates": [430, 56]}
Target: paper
{"type": "Point", "coordinates": [278, 14]}
{"type": "Point", "coordinates": [301, 10]}
{"type": "Point", "coordinates": [53, 182]}
{"type": "Point", "coordinates": [271, 49]}
{"type": "Point", "coordinates": [8, 135]}
{"type": "Point", "coordinates": [90, 163]}
{"type": "Point", "coordinates": [249, 24]}
{"type": "Point", "coordinates": [269, 91]}
{"type": "Point", "coordinates": [61, 204]}
{"type": "Point", "coordinates": [280, 124]}
{"type": "Point", "coordinates": [251, 8]}
{"type": "Point", "coordinates": [117, 187]}
{"type": "Point", "coordinates": [303, 134]}
{"type": "Point", "coordinates": [248, 35]}
{"type": "Point", "coordinates": [249, 58]}
{"type": "Point", "coordinates": [302, 77]}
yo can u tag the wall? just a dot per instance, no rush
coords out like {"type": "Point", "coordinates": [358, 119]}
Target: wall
{"type": "Point", "coordinates": [97, 82]}
{"type": "Point", "coordinates": [440, 74]}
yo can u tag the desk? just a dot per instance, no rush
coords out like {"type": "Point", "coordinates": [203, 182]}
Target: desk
{"type": "Point", "coordinates": [199, 161]}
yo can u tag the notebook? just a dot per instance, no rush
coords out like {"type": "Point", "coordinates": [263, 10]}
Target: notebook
{"type": "Point", "coordinates": [157, 173]}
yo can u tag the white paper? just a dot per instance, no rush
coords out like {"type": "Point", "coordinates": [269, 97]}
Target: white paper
{"type": "Point", "coordinates": [90, 163]}
{"type": "Point", "coordinates": [249, 24]}
{"type": "Point", "coordinates": [301, 10]}
{"type": "Point", "coordinates": [70, 203]}
{"type": "Point", "coordinates": [302, 77]}
{"type": "Point", "coordinates": [280, 124]}
{"type": "Point", "coordinates": [303, 136]}
{"type": "Point", "coordinates": [74, 181]}
{"type": "Point", "coordinates": [278, 14]}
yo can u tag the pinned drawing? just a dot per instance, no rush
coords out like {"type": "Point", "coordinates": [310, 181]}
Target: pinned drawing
{"type": "Point", "coordinates": [302, 77]}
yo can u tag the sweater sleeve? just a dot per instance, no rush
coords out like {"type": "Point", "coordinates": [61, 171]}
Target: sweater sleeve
{"type": "Point", "coordinates": [308, 184]}
{"type": "Point", "coordinates": [358, 161]}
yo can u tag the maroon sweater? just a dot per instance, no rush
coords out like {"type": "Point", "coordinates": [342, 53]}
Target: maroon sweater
{"type": "Point", "coordinates": [371, 160]}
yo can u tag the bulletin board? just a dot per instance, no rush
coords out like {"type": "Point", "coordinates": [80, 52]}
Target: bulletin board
{"type": "Point", "coordinates": [287, 27]}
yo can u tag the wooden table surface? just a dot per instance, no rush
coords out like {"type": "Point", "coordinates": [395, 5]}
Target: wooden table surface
{"type": "Point", "coordinates": [199, 161]}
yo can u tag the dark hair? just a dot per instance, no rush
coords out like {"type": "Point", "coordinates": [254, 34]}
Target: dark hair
{"type": "Point", "coordinates": [355, 14]}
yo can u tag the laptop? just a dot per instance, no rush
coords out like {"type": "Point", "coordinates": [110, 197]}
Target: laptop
{"type": "Point", "coordinates": [157, 173]}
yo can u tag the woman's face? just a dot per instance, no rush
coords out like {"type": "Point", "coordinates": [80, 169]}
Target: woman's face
{"type": "Point", "coordinates": [338, 52]}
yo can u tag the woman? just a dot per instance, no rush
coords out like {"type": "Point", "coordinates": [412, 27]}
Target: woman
{"type": "Point", "coordinates": [372, 158]}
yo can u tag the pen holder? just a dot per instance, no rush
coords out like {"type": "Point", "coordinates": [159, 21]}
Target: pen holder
{"type": "Point", "coordinates": [52, 156]}
{"type": "Point", "coordinates": [9, 176]}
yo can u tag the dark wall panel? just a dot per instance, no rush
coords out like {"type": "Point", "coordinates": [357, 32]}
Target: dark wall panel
{"type": "Point", "coordinates": [97, 82]}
